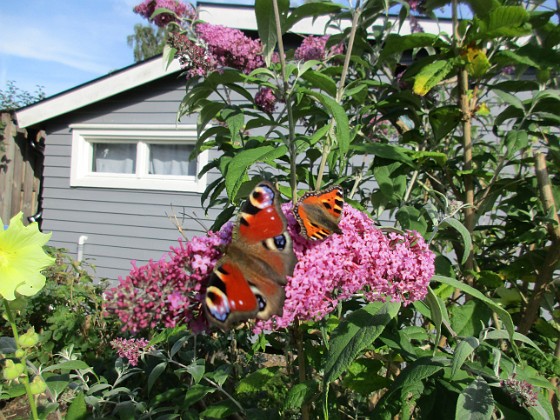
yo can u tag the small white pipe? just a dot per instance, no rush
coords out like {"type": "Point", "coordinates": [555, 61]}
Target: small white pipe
{"type": "Point", "coordinates": [81, 241]}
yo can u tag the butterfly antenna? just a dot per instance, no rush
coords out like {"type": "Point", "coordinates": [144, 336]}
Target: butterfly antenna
{"type": "Point", "coordinates": [179, 224]}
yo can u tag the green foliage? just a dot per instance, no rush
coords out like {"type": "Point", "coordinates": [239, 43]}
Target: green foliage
{"type": "Point", "coordinates": [13, 97]}
{"type": "Point", "coordinates": [146, 41]}
{"type": "Point", "coordinates": [448, 144]}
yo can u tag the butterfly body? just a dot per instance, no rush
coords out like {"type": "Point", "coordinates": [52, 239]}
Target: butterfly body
{"type": "Point", "coordinates": [318, 213]}
{"type": "Point", "coordinates": [248, 280]}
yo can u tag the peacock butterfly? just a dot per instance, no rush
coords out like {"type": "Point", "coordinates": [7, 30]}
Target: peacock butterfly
{"type": "Point", "coordinates": [318, 213]}
{"type": "Point", "coordinates": [247, 282]}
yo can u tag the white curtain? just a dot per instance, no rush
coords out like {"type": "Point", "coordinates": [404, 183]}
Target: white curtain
{"type": "Point", "coordinates": [116, 158]}
{"type": "Point", "coordinates": [171, 159]}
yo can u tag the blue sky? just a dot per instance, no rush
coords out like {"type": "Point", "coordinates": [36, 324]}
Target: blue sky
{"type": "Point", "coordinates": [60, 44]}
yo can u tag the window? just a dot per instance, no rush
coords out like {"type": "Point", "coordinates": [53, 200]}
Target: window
{"type": "Point", "coordinates": [136, 157]}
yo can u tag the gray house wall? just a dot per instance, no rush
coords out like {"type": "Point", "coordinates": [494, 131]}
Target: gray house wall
{"type": "Point", "coordinates": [120, 224]}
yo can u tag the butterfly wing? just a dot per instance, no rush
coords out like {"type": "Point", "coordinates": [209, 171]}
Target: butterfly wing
{"type": "Point", "coordinates": [248, 281]}
{"type": "Point", "coordinates": [318, 213]}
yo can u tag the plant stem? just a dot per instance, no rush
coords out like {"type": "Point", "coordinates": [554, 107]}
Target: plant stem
{"type": "Point", "coordinates": [285, 89]}
{"type": "Point", "coordinates": [339, 92]}
{"type": "Point", "coordinates": [464, 103]}
{"type": "Point", "coordinates": [544, 276]}
{"type": "Point", "coordinates": [302, 376]}
{"type": "Point", "coordinates": [25, 379]}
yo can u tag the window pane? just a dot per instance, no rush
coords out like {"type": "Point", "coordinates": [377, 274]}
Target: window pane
{"type": "Point", "coordinates": [171, 159]}
{"type": "Point", "coordinates": [117, 158]}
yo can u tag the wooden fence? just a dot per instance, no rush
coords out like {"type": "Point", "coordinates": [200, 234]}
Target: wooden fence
{"type": "Point", "coordinates": [21, 168]}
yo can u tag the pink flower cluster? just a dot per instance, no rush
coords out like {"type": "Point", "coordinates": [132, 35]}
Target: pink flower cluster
{"type": "Point", "coordinates": [169, 291]}
{"type": "Point", "coordinates": [361, 260]}
{"type": "Point", "coordinates": [231, 47]}
{"type": "Point", "coordinates": [315, 48]}
{"type": "Point", "coordinates": [131, 349]}
{"type": "Point", "coordinates": [179, 10]}
{"type": "Point", "coordinates": [266, 100]}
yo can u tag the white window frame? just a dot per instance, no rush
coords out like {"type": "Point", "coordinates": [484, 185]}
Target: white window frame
{"type": "Point", "coordinates": [83, 135]}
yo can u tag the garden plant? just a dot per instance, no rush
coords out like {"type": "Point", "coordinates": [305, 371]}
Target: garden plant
{"type": "Point", "coordinates": [439, 296]}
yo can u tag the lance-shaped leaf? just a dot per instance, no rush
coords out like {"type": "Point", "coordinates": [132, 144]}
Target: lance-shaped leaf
{"type": "Point", "coordinates": [475, 402]}
{"type": "Point", "coordinates": [354, 334]}
{"type": "Point", "coordinates": [236, 173]}
{"type": "Point", "coordinates": [266, 24]}
{"type": "Point", "coordinates": [431, 75]}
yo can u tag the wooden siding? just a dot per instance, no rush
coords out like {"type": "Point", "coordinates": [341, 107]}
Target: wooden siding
{"type": "Point", "coordinates": [21, 164]}
{"type": "Point", "coordinates": [120, 225]}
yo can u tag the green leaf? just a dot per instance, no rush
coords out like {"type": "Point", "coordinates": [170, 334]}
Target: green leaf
{"type": "Point", "coordinates": [430, 75]}
{"type": "Point", "coordinates": [207, 113]}
{"type": "Point", "coordinates": [309, 10]}
{"type": "Point", "coordinates": [395, 43]}
{"type": "Point", "coordinates": [254, 382]}
{"type": "Point", "coordinates": [417, 371]}
{"type": "Point", "coordinates": [67, 365]}
{"type": "Point", "coordinates": [464, 349]}
{"type": "Point", "coordinates": [356, 333]}
{"type": "Point", "coordinates": [168, 55]}
{"type": "Point", "coordinates": [411, 218]}
{"type": "Point", "coordinates": [266, 24]}
{"type": "Point", "coordinates": [300, 394]}
{"type": "Point", "coordinates": [508, 21]}
{"type": "Point", "coordinates": [155, 374]}
{"type": "Point", "coordinates": [475, 402]}
{"type": "Point", "coordinates": [444, 120]}
{"type": "Point", "coordinates": [320, 81]}
{"type": "Point", "coordinates": [468, 319]}
{"type": "Point", "coordinates": [510, 99]}
{"type": "Point", "coordinates": [196, 393]}
{"type": "Point", "coordinates": [235, 119]}
{"type": "Point", "coordinates": [502, 313]}
{"type": "Point", "coordinates": [481, 8]}
{"type": "Point", "coordinates": [220, 410]}
{"type": "Point", "coordinates": [197, 369]}
{"type": "Point", "coordinates": [503, 335]}
{"type": "Point", "coordinates": [342, 128]}
{"type": "Point", "coordinates": [465, 236]}
{"type": "Point", "coordinates": [237, 169]}
{"type": "Point", "coordinates": [516, 140]}
{"type": "Point", "coordinates": [387, 151]}
{"type": "Point", "coordinates": [77, 409]}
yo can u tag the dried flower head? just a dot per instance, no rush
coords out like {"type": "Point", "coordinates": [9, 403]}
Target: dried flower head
{"type": "Point", "coordinates": [521, 392]}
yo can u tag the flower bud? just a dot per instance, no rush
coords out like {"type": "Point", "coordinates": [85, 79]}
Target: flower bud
{"type": "Point", "coordinates": [29, 339]}
{"type": "Point", "coordinates": [37, 385]}
{"type": "Point", "coordinates": [20, 353]}
{"type": "Point", "coordinates": [12, 370]}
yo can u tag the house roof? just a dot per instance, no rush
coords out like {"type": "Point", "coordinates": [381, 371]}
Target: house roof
{"type": "Point", "coordinates": [234, 16]}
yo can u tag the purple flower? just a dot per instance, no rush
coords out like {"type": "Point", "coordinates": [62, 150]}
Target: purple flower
{"type": "Point", "coordinates": [231, 47]}
{"type": "Point", "coordinates": [314, 48]}
{"type": "Point", "coordinates": [179, 10]}
{"type": "Point", "coordinates": [131, 349]}
{"type": "Point", "coordinates": [361, 260]}
{"type": "Point", "coordinates": [169, 291]}
{"type": "Point", "coordinates": [266, 100]}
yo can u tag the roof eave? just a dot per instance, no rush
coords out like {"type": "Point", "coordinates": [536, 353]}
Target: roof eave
{"type": "Point", "coordinates": [95, 91]}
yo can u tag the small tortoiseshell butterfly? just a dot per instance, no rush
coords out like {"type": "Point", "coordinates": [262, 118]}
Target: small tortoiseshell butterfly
{"type": "Point", "coordinates": [318, 213]}
{"type": "Point", "coordinates": [248, 281]}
